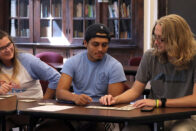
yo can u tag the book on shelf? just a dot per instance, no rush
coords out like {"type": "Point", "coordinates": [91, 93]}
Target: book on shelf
{"type": "Point", "coordinates": [128, 11]}
{"type": "Point", "coordinates": [24, 32]}
{"type": "Point", "coordinates": [116, 28]}
{"type": "Point", "coordinates": [110, 11]}
{"type": "Point", "coordinates": [45, 31]}
{"type": "Point", "coordinates": [86, 10]}
{"type": "Point", "coordinates": [44, 11]}
{"type": "Point", "coordinates": [24, 9]}
{"type": "Point", "coordinates": [113, 10]}
{"type": "Point", "coordinates": [78, 33]}
{"type": "Point", "coordinates": [79, 10]}
{"type": "Point", "coordinates": [13, 8]}
{"type": "Point", "coordinates": [90, 11]}
{"type": "Point", "coordinates": [125, 10]}
{"type": "Point", "coordinates": [124, 34]}
{"type": "Point", "coordinates": [13, 28]}
{"type": "Point", "coordinates": [57, 10]}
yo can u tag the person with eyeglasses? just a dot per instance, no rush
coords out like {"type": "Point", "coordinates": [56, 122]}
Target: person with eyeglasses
{"type": "Point", "coordinates": [170, 67]}
{"type": "Point", "coordinates": [20, 74]}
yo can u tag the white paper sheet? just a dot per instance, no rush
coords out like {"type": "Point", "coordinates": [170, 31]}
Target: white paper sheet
{"type": "Point", "coordinates": [50, 108]}
{"type": "Point", "coordinates": [125, 108]}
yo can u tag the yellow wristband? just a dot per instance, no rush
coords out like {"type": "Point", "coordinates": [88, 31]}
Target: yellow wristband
{"type": "Point", "coordinates": [157, 103]}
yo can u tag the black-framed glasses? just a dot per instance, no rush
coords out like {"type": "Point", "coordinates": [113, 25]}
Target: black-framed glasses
{"type": "Point", "coordinates": [6, 46]}
{"type": "Point", "coordinates": [158, 38]}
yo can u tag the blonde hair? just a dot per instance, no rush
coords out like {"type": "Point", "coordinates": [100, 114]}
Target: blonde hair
{"type": "Point", "coordinates": [178, 39]}
{"type": "Point", "coordinates": [14, 60]}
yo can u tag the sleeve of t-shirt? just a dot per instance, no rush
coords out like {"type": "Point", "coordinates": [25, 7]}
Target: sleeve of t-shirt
{"type": "Point", "coordinates": [117, 74]}
{"type": "Point", "coordinates": [40, 70]}
{"type": "Point", "coordinates": [68, 68]}
{"type": "Point", "coordinates": [143, 72]}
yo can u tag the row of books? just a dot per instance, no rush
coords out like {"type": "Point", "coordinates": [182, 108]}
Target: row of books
{"type": "Point", "coordinates": [47, 31]}
{"type": "Point", "coordinates": [77, 33]}
{"type": "Point", "coordinates": [114, 11]}
{"type": "Point", "coordinates": [89, 10]}
{"type": "Point", "coordinates": [125, 10]}
{"type": "Point", "coordinates": [23, 8]}
{"type": "Point", "coordinates": [125, 34]}
{"type": "Point", "coordinates": [22, 31]}
{"type": "Point", "coordinates": [45, 10]}
{"type": "Point", "coordinates": [57, 9]}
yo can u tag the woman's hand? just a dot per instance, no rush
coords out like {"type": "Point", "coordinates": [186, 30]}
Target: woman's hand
{"type": "Point", "coordinates": [5, 88]}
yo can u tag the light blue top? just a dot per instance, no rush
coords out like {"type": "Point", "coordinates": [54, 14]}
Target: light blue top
{"type": "Point", "coordinates": [39, 70]}
{"type": "Point", "coordinates": [92, 78]}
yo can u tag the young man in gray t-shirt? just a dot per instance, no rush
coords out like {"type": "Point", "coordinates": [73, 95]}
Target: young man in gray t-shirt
{"type": "Point", "coordinates": [170, 66]}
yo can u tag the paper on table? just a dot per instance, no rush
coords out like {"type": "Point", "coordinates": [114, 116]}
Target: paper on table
{"type": "Point", "coordinates": [125, 108]}
{"type": "Point", "coordinates": [27, 100]}
{"type": "Point", "coordinates": [50, 108]}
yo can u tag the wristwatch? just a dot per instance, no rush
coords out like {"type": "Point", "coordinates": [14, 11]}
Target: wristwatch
{"type": "Point", "coordinates": [163, 101]}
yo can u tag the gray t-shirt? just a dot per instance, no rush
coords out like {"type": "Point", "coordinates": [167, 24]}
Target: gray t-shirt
{"type": "Point", "coordinates": [165, 80]}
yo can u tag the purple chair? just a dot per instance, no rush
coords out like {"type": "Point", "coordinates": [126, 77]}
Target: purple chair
{"type": "Point", "coordinates": [135, 61]}
{"type": "Point", "coordinates": [49, 57]}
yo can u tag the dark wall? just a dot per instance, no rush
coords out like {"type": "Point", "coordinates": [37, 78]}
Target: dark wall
{"type": "Point", "coordinates": [184, 8]}
{"type": "Point", "coordinates": [4, 14]}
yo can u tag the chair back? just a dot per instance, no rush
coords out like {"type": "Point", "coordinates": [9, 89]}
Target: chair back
{"type": "Point", "coordinates": [135, 61]}
{"type": "Point", "coordinates": [49, 57]}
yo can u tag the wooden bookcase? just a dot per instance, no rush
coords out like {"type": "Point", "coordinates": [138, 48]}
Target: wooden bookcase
{"type": "Point", "coordinates": [65, 21]}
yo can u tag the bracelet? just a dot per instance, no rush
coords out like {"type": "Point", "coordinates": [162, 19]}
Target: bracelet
{"type": "Point", "coordinates": [163, 101]}
{"type": "Point", "coordinates": [157, 102]}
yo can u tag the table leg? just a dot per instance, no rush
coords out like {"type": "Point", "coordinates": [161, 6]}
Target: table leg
{"type": "Point", "coordinates": [2, 123]}
{"type": "Point", "coordinates": [158, 126]}
{"type": "Point", "coordinates": [32, 123]}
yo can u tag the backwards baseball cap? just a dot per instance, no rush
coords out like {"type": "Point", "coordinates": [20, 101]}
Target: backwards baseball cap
{"type": "Point", "coordinates": [93, 29]}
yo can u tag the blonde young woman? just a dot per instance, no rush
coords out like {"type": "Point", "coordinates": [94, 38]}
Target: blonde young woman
{"type": "Point", "coordinates": [170, 66]}
{"type": "Point", "coordinates": [20, 74]}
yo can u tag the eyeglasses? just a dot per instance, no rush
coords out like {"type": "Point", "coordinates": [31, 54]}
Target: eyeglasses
{"type": "Point", "coordinates": [158, 38]}
{"type": "Point", "coordinates": [6, 46]}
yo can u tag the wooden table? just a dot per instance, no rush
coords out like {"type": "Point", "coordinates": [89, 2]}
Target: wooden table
{"type": "Point", "coordinates": [7, 107]}
{"type": "Point", "coordinates": [157, 117]}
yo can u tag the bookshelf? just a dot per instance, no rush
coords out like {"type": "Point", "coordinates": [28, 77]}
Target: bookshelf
{"type": "Point", "coordinates": [84, 14]}
{"type": "Point", "coordinates": [43, 21]}
{"type": "Point", "coordinates": [119, 18]}
{"type": "Point", "coordinates": [50, 20]}
{"type": "Point", "coordinates": [20, 19]}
